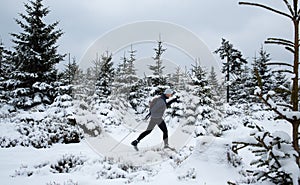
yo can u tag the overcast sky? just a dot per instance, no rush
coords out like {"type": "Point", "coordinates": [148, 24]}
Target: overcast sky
{"type": "Point", "coordinates": [84, 21]}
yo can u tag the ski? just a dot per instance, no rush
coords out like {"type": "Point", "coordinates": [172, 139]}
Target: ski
{"type": "Point", "coordinates": [170, 148]}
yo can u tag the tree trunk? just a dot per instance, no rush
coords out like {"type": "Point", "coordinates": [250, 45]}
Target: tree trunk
{"type": "Point", "coordinates": [294, 97]}
{"type": "Point", "coordinates": [295, 90]}
{"type": "Point", "coordinates": [227, 79]}
{"type": "Point", "coordinates": [295, 125]}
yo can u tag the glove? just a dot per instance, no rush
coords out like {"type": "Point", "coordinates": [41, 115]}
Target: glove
{"type": "Point", "coordinates": [176, 99]}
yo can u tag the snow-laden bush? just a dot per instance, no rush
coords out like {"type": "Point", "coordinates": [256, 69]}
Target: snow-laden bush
{"type": "Point", "coordinates": [106, 114]}
{"type": "Point", "coordinates": [6, 142]}
{"type": "Point", "coordinates": [207, 121]}
{"type": "Point", "coordinates": [110, 169]}
{"type": "Point", "coordinates": [24, 170]}
{"type": "Point", "coordinates": [67, 164]}
{"type": "Point", "coordinates": [275, 156]}
{"type": "Point", "coordinates": [44, 133]}
{"type": "Point", "coordinates": [41, 129]}
{"type": "Point", "coordinates": [190, 174]}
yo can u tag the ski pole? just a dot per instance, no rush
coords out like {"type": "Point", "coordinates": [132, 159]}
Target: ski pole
{"type": "Point", "coordinates": [125, 136]}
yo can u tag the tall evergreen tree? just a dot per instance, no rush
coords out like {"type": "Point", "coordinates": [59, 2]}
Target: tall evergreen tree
{"type": "Point", "coordinates": [200, 82]}
{"type": "Point", "coordinates": [72, 76]}
{"type": "Point", "coordinates": [282, 87]}
{"type": "Point", "coordinates": [121, 69]}
{"type": "Point", "coordinates": [35, 57]}
{"type": "Point", "coordinates": [131, 71]}
{"type": "Point", "coordinates": [105, 78]}
{"type": "Point", "coordinates": [5, 67]}
{"type": "Point", "coordinates": [126, 72]}
{"type": "Point", "coordinates": [241, 87]}
{"type": "Point", "coordinates": [213, 80]}
{"type": "Point", "coordinates": [71, 71]}
{"type": "Point", "coordinates": [3, 71]}
{"type": "Point", "coordinates": [97, 65]}
{"type": "Point", "coordinates": [233, 65]}
{"type": "Point", "coordinates": [158, 67]}
{"type": "Point", "coordinates": [178, 78]}
{"type": "Point", "coordinates": [216, 89]}
{"type": "Point", "coordinates": [157, 70]}
{"type": "Point", "coordinates": [260, 66]}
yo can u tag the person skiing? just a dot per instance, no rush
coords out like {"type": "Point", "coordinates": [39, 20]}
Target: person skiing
{"type": "Point", "coordinates": [157, 109]}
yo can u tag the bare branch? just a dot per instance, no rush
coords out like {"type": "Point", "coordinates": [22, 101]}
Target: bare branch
{"type": "Point", "coordinates": [290, 49]}
{"type": "Point", "coordinates": [289, 7]}
{"type": "Point", "coordinates": [235, 147]}
{"type": "Point", "coordinates": [282, 40]}
{"type": "Point", "coordinates": [280, 64]}
{"type": "Point", "coordinates": [267, 7]}
{"type": "Point", "coordinates": [287, 46]}
{"type": "Point", "coordinates": [279, 43]}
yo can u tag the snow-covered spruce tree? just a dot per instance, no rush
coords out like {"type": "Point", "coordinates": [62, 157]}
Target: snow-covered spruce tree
{"type": "Point", "coordinates": [178, 79]}
{"type": "Point", "coordinates": [260, 64]}
{"type": "Point", "coordinates": [69, 78]}
{"type": "Point", "coordinates": [274, 80]}
{"type": "Point", "coordinates": [217, 90]}
{"type": "Point", "coordinates": [282, 87]}
{"type": "Point", "coordinates": [130, 70]}
{"type": "Point", "coordinates": [87, 86]}
{"type": "Point", "coordinates": [105, 78]}
{"type": "Point", "coordinates": [157, 70]}
{"type": "Point", "coordinates": [274, 156]}
{"type": "Point", "coordinates": [102, 101]}
{"type": "Point", "coordinates": [126, 77]}
{"type": "Point", "coordinates": [121, 70]}
{"type": "Point", "coordinates": [200, 83]}
{"type": "Point", "coordinates": [213, 81]}
{"type": "Point", "coordinates": [205, 113]}
{"type": "Point", "coordinates": [2, 60]}
{"type": "Point", "coordinates": [137, 93]}
{"type": "Point", "coordinates": [233, 65]}
{"type": "Point", "coordinates": [138, 96]}
{"type": "Point", "coordinates": [35, 57]}
{"type": "Point", "coordinates": [241, 87]}
{"type": "Point", "coordinates": [287, 112]}
{"type": "Point", "coordinates": [70, 74]}
{"type": "Point", "coordinates": [5, 69]}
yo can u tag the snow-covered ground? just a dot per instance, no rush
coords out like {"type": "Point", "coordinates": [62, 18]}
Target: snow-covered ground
{"type": "Point", "coordinates": [26, 165]}
{"type": "Point", "coordinates": [202, 160]}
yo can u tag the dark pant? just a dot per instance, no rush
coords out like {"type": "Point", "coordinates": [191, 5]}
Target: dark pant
{"type": "Point", "coordinates": [161, 124]}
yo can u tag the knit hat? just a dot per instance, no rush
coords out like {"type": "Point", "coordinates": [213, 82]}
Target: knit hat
{"type": "Point", "coordinates": [168, 91]}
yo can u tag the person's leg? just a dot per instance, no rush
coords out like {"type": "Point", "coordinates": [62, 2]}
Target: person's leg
{"type": "Point", "coordinates": [149, 129]}
{"type": "Point", "coordinates": [164, 129]}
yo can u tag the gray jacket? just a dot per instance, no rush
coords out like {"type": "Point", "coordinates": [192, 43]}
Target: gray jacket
{"type": "Point", "coordinates": [158, 108]}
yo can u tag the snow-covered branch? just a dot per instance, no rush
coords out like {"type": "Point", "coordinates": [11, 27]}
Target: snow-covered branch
{"type": "Point", "coordinates": [290, 116]}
